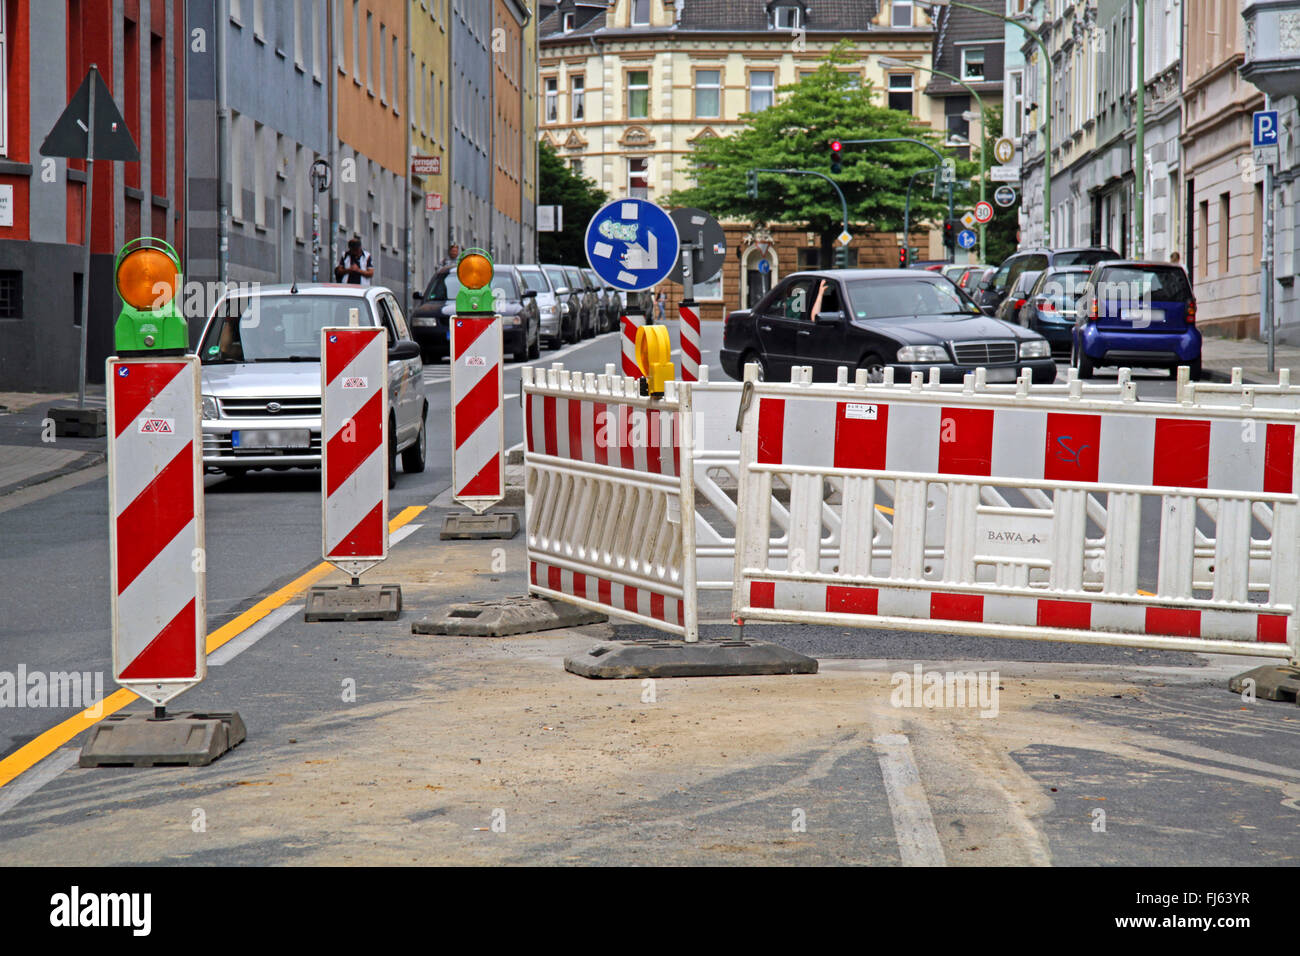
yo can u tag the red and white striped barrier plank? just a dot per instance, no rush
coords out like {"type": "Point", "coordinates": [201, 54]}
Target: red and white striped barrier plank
{"type": "Point", "coordinates": [1019, 610]}
{"type": "Point", "coordinates": [688, 334]}
{"type": "Point", "coordinates": [604, 433]}
{"type": "Point", "coordinates": [629, 325]}
{"type": "Point", "coordinates": [354, 430]}
{"type": "Point", "coordinates": [156, 538]}
{"type": "Point", "coordinates": [641, 602]}
{"type": "Point", "coordinates": [1028, 444]}
{"type": "Point", "coordinates": [478, 462]}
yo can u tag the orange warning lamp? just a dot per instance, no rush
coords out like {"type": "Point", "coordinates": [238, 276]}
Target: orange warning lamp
{"type": "Point", "coordinates": [148, 278]}
{"type": "Point", "coordinates": [474, 270]}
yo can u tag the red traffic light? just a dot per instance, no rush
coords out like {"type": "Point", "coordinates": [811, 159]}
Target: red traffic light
{"type": "Point", "coordinates": [902, 258]}
{"type": "Point", "coordinates": [836, 146]}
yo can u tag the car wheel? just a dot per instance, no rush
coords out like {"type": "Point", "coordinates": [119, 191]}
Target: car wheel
{"type": "Point", "coordinates": [521, 353]}
{"type": "Point", "coordinates": [1081, 361]}
{"type": "Point", "coordinates": [392, 453]}
{"type": "Point", "coordinates": [752, 357]}
{"type": "Point", "coordinates": [413, 457]}
{"type": "Point", "coordinates": [1196, 370]}
{"type": "Point", "coordinates": [875, 368]}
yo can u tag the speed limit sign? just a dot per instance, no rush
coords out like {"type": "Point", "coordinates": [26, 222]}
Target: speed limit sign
{"type": "Point", "coordinates": [983, 212]}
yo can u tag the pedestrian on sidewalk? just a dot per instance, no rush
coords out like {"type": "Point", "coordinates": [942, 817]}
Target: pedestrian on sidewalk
{"type": "Point", "coordinates": [449, 263]}
{"type": "Point", "coordinates": [660, 303]}
{"type": "Point", "coordinates": [356, 266]}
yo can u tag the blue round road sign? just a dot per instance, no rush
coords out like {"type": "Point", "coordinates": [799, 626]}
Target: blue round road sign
{"type": "Point", "coordinates": [764, 266]}
{"type": "Point", "coordinates": [966, 239]}
{"type": "Point", "coordinates": [632, 244]}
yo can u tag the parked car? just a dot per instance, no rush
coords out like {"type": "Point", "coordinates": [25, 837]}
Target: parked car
{"type": "Point", "coordinates": [1053, 305]}
{"type": "Point", "coordinates": [516, 303]}
{"type": "Point", "coordinates": [875, 319]}
{"type": "Point", "coordinates": [990, 291]}
{"type": "Point", "coordinates": [610, 304]}
{"type": "Point", "coordinates": [1008, 309]}
{"type": "Point", "coordinates": [929, 265]}
{"type": "Point", "coordinates": [954, 272]}
{"type": "Point", "coordinates": [589, 302]}
{"type": "Point", "coordinates": [261, 392]}
{"type": "Point", "coordinates": [549, 307]}
{"type": "Point", "coordinates": [1137, 313]}
{"type": "Point", "coordinates": [971, 277]}
{"type": "Point", "coordinates": [570, 298]}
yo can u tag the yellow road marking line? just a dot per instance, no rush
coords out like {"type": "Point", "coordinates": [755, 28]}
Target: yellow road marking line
{"type": "Point", "coordinates": [883, 508]}
{"type": "Point", "coordinates": [36, 750]}
{"type": "Point", "coordinates": [1146, 593]}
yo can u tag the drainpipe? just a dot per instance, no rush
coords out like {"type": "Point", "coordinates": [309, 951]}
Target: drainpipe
{"type": "Point", "coordinates": [223, 146]}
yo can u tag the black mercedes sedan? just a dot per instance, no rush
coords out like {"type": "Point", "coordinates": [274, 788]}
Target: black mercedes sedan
{"type": "Point", "coordinates": [873, 319]}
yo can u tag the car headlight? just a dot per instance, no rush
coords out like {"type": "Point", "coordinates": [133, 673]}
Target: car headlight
{"type": "Point", "coordinates": [549, 311]}
{"type": "Point", "coordinates": [511, 319]}
{"type": "Point", "coordinates": [210, 409]}
{"type": "Point", "coordinates": [1038, 348]}
{"type": "Point", "coordinates": [923, 353]}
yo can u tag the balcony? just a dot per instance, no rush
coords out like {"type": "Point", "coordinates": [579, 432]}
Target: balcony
{"type": "Point", "coordinates": [1272, 45]}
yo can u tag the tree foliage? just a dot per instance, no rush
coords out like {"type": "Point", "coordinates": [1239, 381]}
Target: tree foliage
{"type": "Point", "coordinates": [795, 133]}
{"type": "Point", "coordinates": [581, 197]}
{"type": "Point", "coordinates": [1000, 236]}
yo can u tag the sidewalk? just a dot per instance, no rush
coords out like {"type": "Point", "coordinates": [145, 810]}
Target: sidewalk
{"type": "Point", "coordinates": [1220, 355]}
{"type": "Point", "coordinates": [27, 456]}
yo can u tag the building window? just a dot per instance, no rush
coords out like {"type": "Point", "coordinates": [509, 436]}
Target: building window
{"type": "Point", "coordinates": [383, 63]}
{"type": "Point", "coordinates": [575, 165]}
{"type": "Point", "coordinates": [640, 13]}
{"type": "Point", "coordinates": [762, 90]}
{"type": "Point", "coordinates": [1225, 232]}
{"type": "Point", "coordinates": [297, 33]}
{"type": "Point", "coordinates": [1014, 121]}
{"type": "Point", "coordinates": [900, 92]}
{"type": "Point", "coordinates": [577, 98]}
{"type": "Point", "coordinates": [317, 37]}
{"type": "Point", "coordinates": [638, 178]}
{"type": "Point", "coordinates": [638, 94]}
{"type": "Point", "coordinates": [340, 51]}
{"type": "Point", "coordinates": [356, 42]}
{"type": "Point", "coordinates": [787, 18]}
{"type": "Point", "coordinates": [708, 93]}
{"type": "Point", "coordinates": [397, 73]}
{"type": "Point", "coordinates": [568, 22]}
{"type": "Point", "coordinates": [4, 85]}
{"type": "Point", "coordinates": [11, 294]}
{"type": "Point", "coordinates": [972, 63]}
{"type": "Point", "coordinates": [259, 29]}
{"type": "Point", "coordinates": [551, 86]}
{"type": "Point", "coordinates": [370, 52]}
{"type": "Point", "coordinates": [901, 13]}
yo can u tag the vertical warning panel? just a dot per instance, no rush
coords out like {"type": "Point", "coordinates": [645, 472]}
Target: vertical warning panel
{"type": "Point", "coordinates": [156, 543]}
{"type": "Point", "coordinates": [478, 473]}
{"type": "Point", "coordinates": [354, 447]}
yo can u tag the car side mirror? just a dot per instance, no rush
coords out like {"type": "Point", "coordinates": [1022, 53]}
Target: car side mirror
{"type": "Point", "coordinates": [829, 318]}
{"type": "Point", "coordinates": [418, 296]}
{"type": "Point", "coordinates": [403, 349]}
{"type": "Point", "coordinates": [529, 293]}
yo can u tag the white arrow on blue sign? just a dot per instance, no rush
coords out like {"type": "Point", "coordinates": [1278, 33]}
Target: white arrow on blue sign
{"type": "Point", "coordinates": [1264, 128]}
{"type": "Point", "coordinates": [632, 244]}
{"type": "Point", "coordinates": [966, 239]}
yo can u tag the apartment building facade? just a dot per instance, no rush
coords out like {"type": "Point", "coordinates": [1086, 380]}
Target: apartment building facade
{"type": "Point", "coordinates": [46, 48]}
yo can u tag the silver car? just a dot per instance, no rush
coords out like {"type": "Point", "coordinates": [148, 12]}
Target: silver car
{"type": "Point", "coordinates": [261, 376]}
{"type": "Point", "coordinates": [549, 307]}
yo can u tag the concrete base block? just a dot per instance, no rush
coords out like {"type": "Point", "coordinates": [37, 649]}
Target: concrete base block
{"type": "Point", "coordinates": [1272, 682]}
{"type": "Point", "coordinates": [494, 524]}
{"type": "Point", "coordinates": [354, 602]}
{"type": "Point", "coordinates": [503, 618]}
{"type": "Point", "coordinates": [185, 738]}
{"type": "Point", "coordinates": [672, 658]}
{"type": "Point", "coordinates": [79, 422]}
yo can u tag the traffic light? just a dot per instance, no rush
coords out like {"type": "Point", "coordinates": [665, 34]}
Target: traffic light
{"type": "Point", "coordinates": [751, 183]}
{"type": "Point", "coordinates": [837, 149]}
{"type": "Point", "coordinates": [148, 278]}
{"type": "Point", "coordinates": [474, 272]}
{"type": "Point", "coordinates": [902, 257]}
{"type": "Point", "coordinates": [842, 257]}
{"type": "Point", "coordinates": [950, 229]}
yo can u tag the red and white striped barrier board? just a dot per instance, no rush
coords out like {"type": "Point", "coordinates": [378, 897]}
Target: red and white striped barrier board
{"type": "Point", "coordinates": [354, 433]}
{"type": "Point", "coordinates": [689, 336]}
{"type": "Point", "coordinates": [1021, 478]}
{"type": "Point", "coordinates": [629, 325]}
{"type": "Point", "coordinates": [607, 472]}
{"type": "Point", "coordinates": [155, 492]}
{"type": "Point", "coordinates": [478, 475]}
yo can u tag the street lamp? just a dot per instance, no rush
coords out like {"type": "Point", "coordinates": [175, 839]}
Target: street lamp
{"type": "Point", "coordinates": [1047, 126]}
{"type": "Point", "coordinates": [889, 61]}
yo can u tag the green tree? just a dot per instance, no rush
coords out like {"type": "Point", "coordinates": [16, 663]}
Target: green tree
{"type": "Point", "coordinates": [580, 197]}
{"type": "Point", "coordinates": [795, 133]}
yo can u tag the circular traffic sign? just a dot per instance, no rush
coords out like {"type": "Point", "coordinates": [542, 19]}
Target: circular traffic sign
{"type": "Point", "coordinates": [1004, 196]}
{"type": "Point", "coordinates": [966, 239]}
{"type": "Point", "coordinates": [983, 212]}
{"type": "Point", "coordinates": [631, 244]}
{"type": "Point", "coordinates": [1004, 150]}
{"type": "Point", "coordinates": [708, 241]}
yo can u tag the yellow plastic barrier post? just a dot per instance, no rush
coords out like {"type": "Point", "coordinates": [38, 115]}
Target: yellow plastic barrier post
{"type": "Point", "coordinates": [654, 355]}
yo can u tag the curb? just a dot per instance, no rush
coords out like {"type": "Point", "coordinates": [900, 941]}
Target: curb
{"type": "Point", "coordinates": [87, 460]}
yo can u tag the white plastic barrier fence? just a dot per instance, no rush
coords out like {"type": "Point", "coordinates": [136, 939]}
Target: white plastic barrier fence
{"type": "Point", "coordinates": [606, 474]}
{"type": "Point", "coordinates": [1018, 570]}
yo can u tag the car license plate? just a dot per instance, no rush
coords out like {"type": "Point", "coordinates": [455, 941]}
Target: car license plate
{"type": "Point", "coordinates": [271, 439]}
{"type": "Point", "coordinates": [1141, 317]}
{"type": "Point", "coordinates": [1000, 375]}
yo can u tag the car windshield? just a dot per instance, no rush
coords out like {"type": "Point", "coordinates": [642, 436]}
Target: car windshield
{"type": "Point", "coordinates": [1063, 285]}
{"type": "Point", "coordinates": [1083, 257]}
{"type": "Point", "coordinates": [533, 279]}
{"type": "Point", "coordinates": [1145, 283]}
{"type": "Point", "coordinates": [557, 277]}
{"type": "Point", "coordinates": [276, 328]}
{"type": "Point", "coordinates": [888, 298]}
